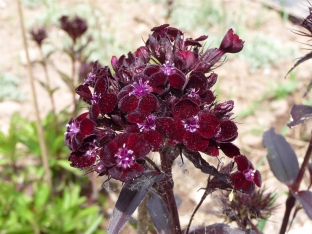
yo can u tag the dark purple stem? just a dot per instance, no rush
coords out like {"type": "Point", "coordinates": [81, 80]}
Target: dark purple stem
{"type": "Point", "coordinates": [291, 200]}
{"type": "Point", "coordinates": [167, 156]}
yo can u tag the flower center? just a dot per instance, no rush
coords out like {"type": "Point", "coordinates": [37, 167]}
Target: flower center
{"type": "Point", "coordinates": [124, 157]}
{"type": "Point", "coordinates": [167, 68]}
{"type": "Point", "coordinates": [191, 124]}
{"type": "Point", "coordinates": [140, 88]}
{"type": "Point", "coordinates": [90, 78]}
{"type": "Point", "coordinates": [72, 128]}
{"type": "Point", "coordinates": [192, 93]}
{"type": "Point", "coordinates": [95, 98]}
{"type": "Point", "coordinates": [149, 124]}
{"type": "Point", "coordinates": [249, 174]}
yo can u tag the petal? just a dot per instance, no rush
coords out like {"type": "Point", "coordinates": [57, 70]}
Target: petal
{"type": "Point", "coordinates": [148, 103]}
{"type": "Point", "coordinates": [121, 139]}
{"type": "Point", "coordinates": [84, 92]}
{"type": "Point", "coordinates": [125, 91]}
{"type": "Point", "coordinates": [81, 160]}
{"type": "Point", "coordinates": [229, 149]}
{"type": "Point", "coordinates": [184, 109]}
{"type": "Point", "coordinates": [258, 179]}
{"type": "Point", "coordinates": [194, 141]}
{"type": "Point", "coordinates": [107, 103]}
{"type": "Point", "coordinates": [139, 146]}
{"type": "Point", "coordinates": [228, 131]}
{"type": "Point", "coordinates": [208, 125]}
{"type": "Point", "coordinates": [87, 126]}
{"type": "Point", "coordinates": [238, 180]}
{"type": "Point", "coordinates": [177, 79]}
{"type": "Point", "coordinates": [212, 149]}
{"type": "Point", "coordinates": [130, 173]}
{"type": "Point", "coordinates": [154, 139]}
{"type": "Point", "coordinates": [158, 82]}
{"type": "Point", "coordinates": [94, 111]}
{"type": "Point", "coordinates": [242, 162]}
{"type": "Point", "coordinates": [151, 69]}
{"type": "Point", "coordinates": [248, 187]}
{"type": "Point", "coordinates": [137, 116]}
{"type": "Point", "coordinates": [108, 156]}
{"type": "Point", "coordinates": [101, 86]}
{"type": "Point", "coordinates": [198, 82]}
{"type": "Point", "coordinates": [80, 117]}
{"type": "Point", "coordinates": [128, 103]}
{"type": "Point", "coordinates": [164, 126]}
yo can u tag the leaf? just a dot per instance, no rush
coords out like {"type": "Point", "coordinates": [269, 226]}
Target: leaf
{"type": "Point", "coordinates": [41, 196]}
{"type": "Point", "coordinates": [219, 228]}
{"type": "Point", "coordinates": [94, 225]}
{"type": "Point", "coordinates": [201, 164]}
{"type": "Point", "coordinates": [129, 199]}
{"type": "Point", "coordinates": [69, 81]}
{"type": "Point", "coordinates": [281, 156]}
{"type": "Point", "coordinates": [301, 60]}
{"type": "Point", "coordinates": [159, 214]}
{"type": "Point", "coordinates": [299, 114]}
{"type": "Point", "coordinates": [305, 198]}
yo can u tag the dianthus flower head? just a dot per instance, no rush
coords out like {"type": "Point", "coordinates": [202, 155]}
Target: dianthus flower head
{"type": "Point", "coordinates": [156, 97]}
{"type": "Point", "coordinates": [74, 27]}
{"type": "Point", "coordinates": [38, 35]}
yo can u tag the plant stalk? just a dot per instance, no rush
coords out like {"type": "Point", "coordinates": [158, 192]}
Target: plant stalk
{"type": "Point", "coordinates": [167, 156]}
{"type": "Point", "coordinates": [42, 143]}
{"type": "Point", "coordinates": [47, 78]}
{"type": "Point", "coordinates": [291, 200]}
{"type": "Point", "coordinates": [74, 79]}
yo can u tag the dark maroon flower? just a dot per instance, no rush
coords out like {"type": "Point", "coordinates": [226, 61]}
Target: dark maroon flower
{"type": "Point", "coordinates": [75, 27]}
{"type": "Point", "coordinates": [85, 157]}
{"type": "Point", "coordinates": [77, 130]}
{"type": "Point", "coordinates": [100, 101]}
{"type": "Point", "coordinates": [146, 124]}
{"type": "Point", "coordinates": [231, 43]}
{"type": "Point", "coordinates": [38, 35]}
{"type": "Point", "coordinates": [138, 95]}
{"type": "Point", "coordinates": [120, 156]}
{"type": "Point", "coordinates": [245, 179]}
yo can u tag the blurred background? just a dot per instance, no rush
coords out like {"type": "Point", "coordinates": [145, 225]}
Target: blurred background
{"type": "Point", "coordinates": [78, 203]}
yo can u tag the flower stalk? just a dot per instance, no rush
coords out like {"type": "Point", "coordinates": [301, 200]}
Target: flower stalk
{"type": "Point", "coordinates": [42, 143]}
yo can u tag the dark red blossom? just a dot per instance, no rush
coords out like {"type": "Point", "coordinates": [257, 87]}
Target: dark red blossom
{"type": "Point", "coordinates": [146, 124]}
{"type": "Point", "coordinates": [247, 177]}
{"type": "Point", "coordinates": [38, 35]}
{"type": "Point", "coordinates": [231, 43]}
{"type": "Point", "coordinates": [120, 156]}
{"type": "Point", "coordinates": [100, 101]}
{"type": "Point", "coordinates": [85, 157]}
{"type": "Point", "coordinates": [74, 27]}
{"type": "Point", "coordinates": [77, 130]}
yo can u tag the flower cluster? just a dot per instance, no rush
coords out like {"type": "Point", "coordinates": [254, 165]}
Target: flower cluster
{"type": "Point", "coordinates": [38, 35]}
{"type": "Point", "coordinates": [75, 27]}
{"type": "Point", "coordinates": [247, 207]}
{"type": "Point", "coordinates": [158, 95]}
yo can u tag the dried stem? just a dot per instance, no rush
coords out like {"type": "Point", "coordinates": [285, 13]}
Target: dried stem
{"type": "Point", "coordinates": [74, 79]}
{"type": "Point", "coordinates": [291, 200]}
{"type": "Point", "coordinates": [42, 144]}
